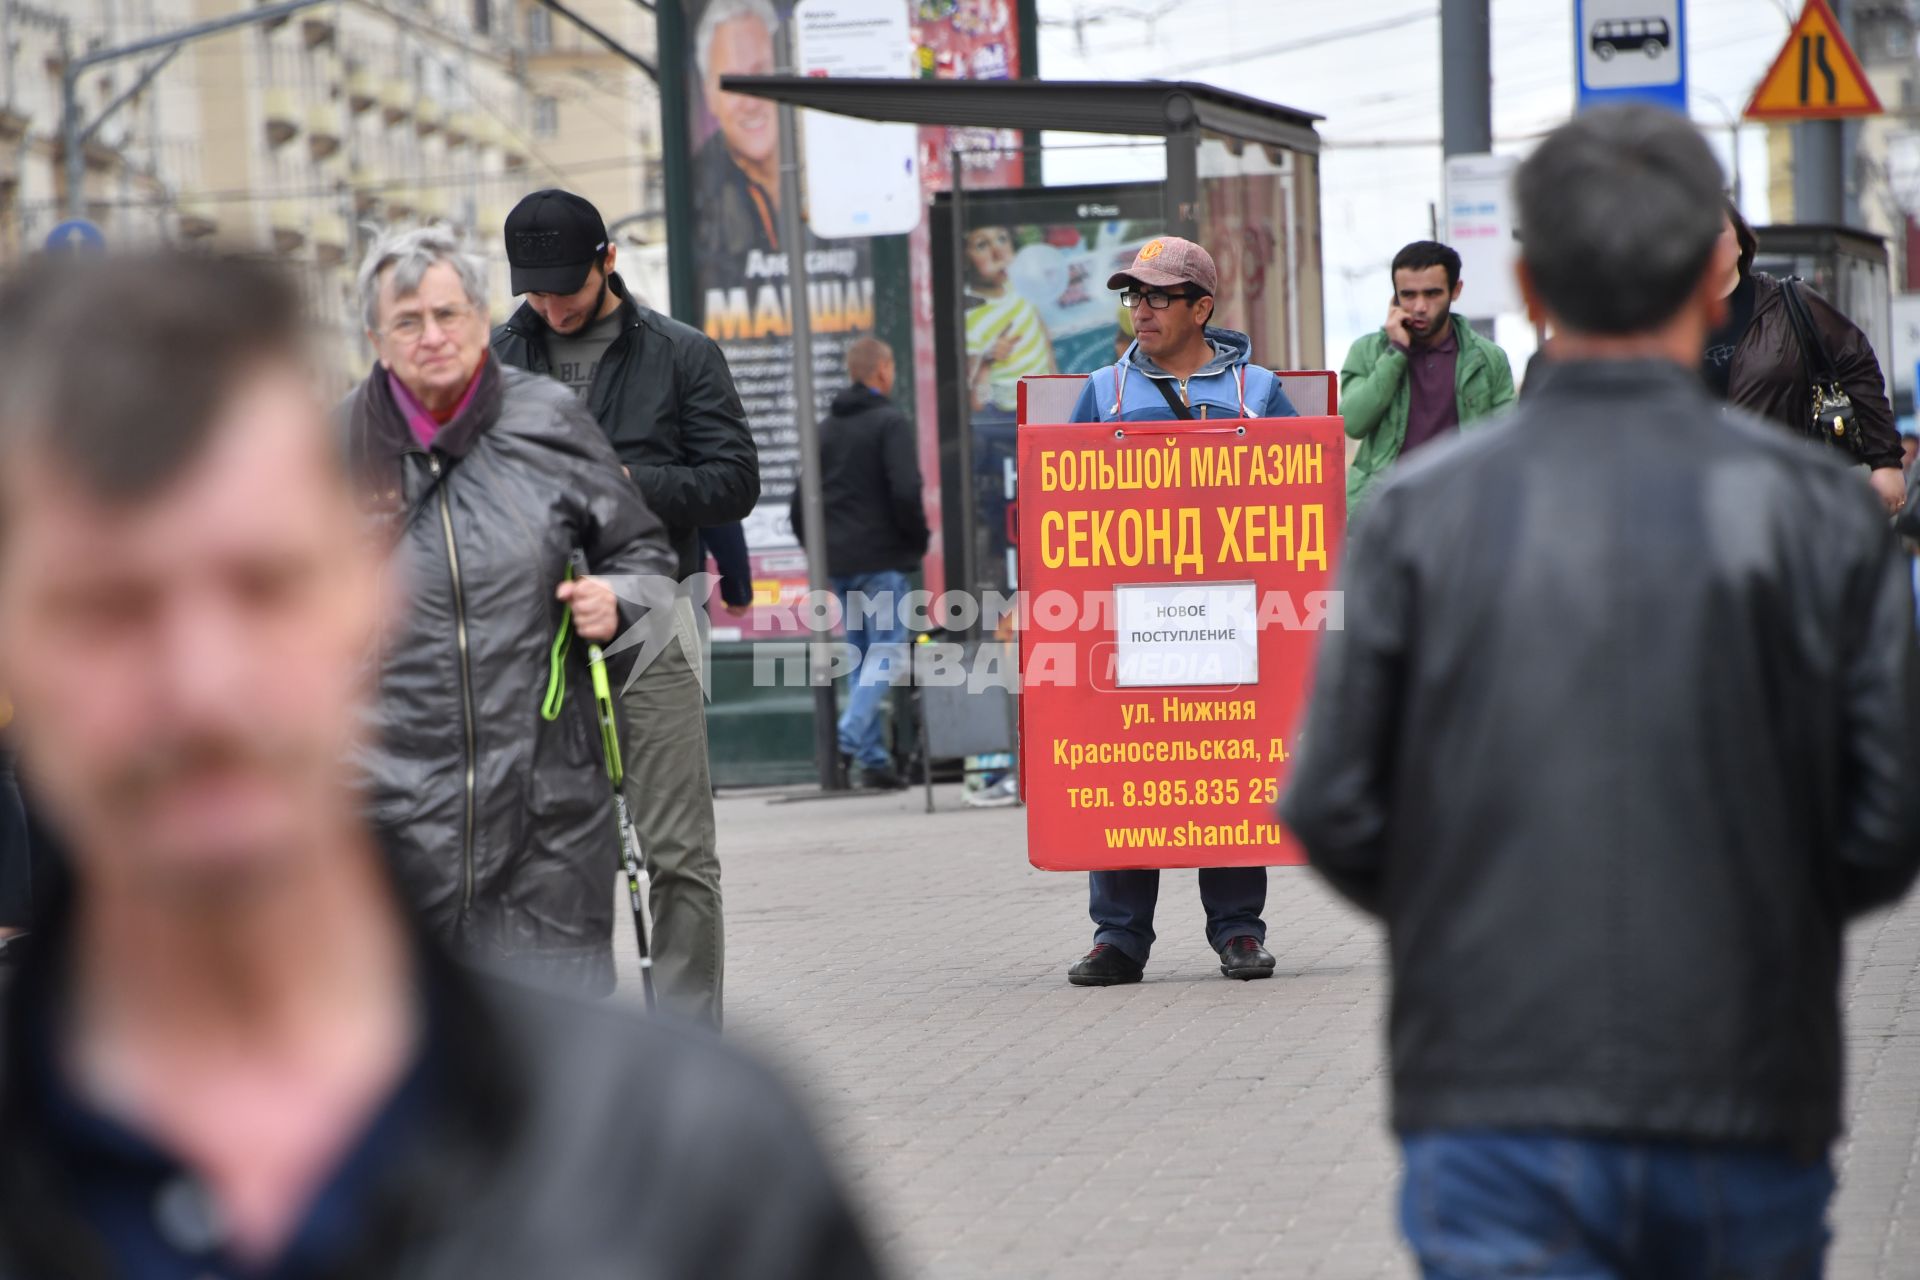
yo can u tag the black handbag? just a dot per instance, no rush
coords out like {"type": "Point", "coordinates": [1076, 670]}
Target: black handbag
{"type": "Point", "coordinates": [1832, 419]}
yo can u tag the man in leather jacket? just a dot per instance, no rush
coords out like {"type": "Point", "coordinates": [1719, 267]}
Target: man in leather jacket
{"type": "Point", "coordinates": [233, 1050]}
{"type": "Point", "coordinates": [662, 393]}
{"type": "Point", "coordinates": [1619, 732]}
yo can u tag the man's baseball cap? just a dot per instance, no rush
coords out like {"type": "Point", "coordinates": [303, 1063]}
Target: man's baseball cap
{"type": "Point", "coordinates": [553, 240]}
{"type": "Point", "coordinates": [1168, 262]}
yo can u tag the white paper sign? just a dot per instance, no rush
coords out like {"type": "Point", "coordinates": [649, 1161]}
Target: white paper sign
{"type": "Point", "coordinates": [1480, 229]}
{"type": "Point", "coordinates": [1179, 634]}
{"type": "Point", "coordinates": [862, 176]}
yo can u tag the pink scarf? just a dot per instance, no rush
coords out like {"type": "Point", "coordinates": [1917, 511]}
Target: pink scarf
{"type": "Point", "coordinates": [425, 423]}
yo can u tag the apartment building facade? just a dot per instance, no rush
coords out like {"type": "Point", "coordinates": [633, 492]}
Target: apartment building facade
{"type": "Point", "coordinates": [306, 136]}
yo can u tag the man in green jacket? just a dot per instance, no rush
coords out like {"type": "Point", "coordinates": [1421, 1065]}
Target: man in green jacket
{"type": "Point", "coordinates": [1423, 376]}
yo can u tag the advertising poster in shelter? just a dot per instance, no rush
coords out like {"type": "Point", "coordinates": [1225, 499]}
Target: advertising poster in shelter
{"type": "Point", "coordinates": [954, 40]}
{"type": "Point", "coordinates": [741, 265]}
{"type": "Point", "coordinates": [741, 270]}
{"type": "Point", "coordinates": [1034, 270]}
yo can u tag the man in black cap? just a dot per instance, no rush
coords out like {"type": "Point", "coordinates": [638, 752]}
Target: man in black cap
{"type": "Point", "coordinates": [663, 394]}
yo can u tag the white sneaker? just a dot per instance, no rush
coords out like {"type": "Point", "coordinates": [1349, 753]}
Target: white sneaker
{"type": "Point", "coordinates": [995, 795]}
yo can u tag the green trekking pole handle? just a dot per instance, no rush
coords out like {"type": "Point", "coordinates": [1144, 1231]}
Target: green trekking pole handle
{"type": "Point", "coordinates": [630, 858]}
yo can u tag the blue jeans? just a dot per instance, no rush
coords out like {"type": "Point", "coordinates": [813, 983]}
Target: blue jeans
{"type": "Point", "coordinates": [1480, 1203]}
{"type": "Point", "coordinates": [1121, 904]}
{"type": "Point", "coordinates": [878, 632]}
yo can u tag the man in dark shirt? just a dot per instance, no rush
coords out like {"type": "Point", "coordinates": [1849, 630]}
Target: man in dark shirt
{"type": "Point", "coordinates": [232, 1051]}
{"type": "Point", "coordinates": [664, 395]}
{"type": "Point", "coordinates": [876, 534]}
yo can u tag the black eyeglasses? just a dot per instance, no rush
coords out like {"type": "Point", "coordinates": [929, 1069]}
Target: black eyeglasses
{"type": "Point", "coordinates": [1158, 299]}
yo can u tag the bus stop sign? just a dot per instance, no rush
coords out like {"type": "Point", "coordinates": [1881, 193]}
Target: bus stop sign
{"type": "Point", "coordinates": [1631, 51]}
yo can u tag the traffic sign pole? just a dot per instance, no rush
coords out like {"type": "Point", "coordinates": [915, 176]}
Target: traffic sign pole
{"type": "Point", "coordinates": [1819, 146]}
{"type": "Point", "coordinates": [1816, 81]}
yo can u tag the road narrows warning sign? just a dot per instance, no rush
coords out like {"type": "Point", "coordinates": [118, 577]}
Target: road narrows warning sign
{"type": "Point", "coordinates": [1816, 76]}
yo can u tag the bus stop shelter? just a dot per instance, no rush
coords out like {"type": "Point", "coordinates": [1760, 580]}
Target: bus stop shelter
{"type": "Point", "coordinates": [1188, 116]}
{"type": "Point", "coordinates": [1241, 176]}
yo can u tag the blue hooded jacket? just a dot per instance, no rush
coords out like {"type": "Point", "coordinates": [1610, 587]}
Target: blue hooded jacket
{"type": "Point", "coordinates": [1230, 386]}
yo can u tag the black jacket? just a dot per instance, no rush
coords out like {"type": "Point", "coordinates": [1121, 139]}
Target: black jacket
{"type": "Point", "coordinates": [665, 397]}
{"type": "Point", "coordinates": [1769, 375]}
{"type": "Point", "coordinates": [504, 820]}
{"type": "Point", "coordinates": [552, 1139]}
{"type": "Point", "coordinates": [1619, 730]}
{"type": "Point", "coordinates": [869, 487]}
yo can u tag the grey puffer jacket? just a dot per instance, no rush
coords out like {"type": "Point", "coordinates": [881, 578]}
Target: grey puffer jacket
{"type": "Point", "coordinates": [501, 821]}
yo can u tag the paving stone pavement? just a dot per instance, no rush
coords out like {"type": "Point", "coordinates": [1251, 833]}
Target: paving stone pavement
{"type": "Point", "coordinates": [907, 972]}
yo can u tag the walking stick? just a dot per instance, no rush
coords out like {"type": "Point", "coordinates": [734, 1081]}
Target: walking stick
{"type": "Point", "coordinates": [630, 856]}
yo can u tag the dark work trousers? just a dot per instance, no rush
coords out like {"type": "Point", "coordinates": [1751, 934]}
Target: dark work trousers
{"type": "Point", "coordinates": [1121, 904]}
{"type": "Point", "coordinates": [16, 858]}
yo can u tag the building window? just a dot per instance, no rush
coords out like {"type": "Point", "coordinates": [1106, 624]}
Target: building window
{"type": "Point", "coordinates": [482, 17]}
{"type": "Point", "coordinates": [540, 28]}
{"type": "Point", "coordinates": [546, 117]}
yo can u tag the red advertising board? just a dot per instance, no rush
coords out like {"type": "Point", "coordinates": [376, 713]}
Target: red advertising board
{"type": "Point", "coordinates": [1175, 580]}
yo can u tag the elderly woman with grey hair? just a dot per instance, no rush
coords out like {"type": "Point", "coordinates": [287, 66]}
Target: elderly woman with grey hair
{"type": "Point", "coordinates": [483, 767]}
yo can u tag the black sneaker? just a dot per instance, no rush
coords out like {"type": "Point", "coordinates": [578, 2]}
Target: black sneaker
{"type": "Point", "coordinates": [880, 779]}
{"type": "Point", "coordinates": [1105, 966]}
{"type": "Point", "coordinates": [1246, 960]}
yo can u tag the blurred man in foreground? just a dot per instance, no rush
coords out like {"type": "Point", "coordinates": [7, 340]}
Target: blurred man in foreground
{"type": "Point", "coordinates": [1615, 750]}
{"type": "Point", "coordinates": [233, 1050]}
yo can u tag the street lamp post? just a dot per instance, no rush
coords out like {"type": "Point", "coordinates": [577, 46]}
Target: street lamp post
{"type": "Point", "coordinates": [74, 135]}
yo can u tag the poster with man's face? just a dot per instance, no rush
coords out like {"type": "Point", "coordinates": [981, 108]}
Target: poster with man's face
{"type": "Point", "coordinates": [741, 257]}
{"type": "Point", "coordinates": [740, 261]}
{"type": "Point", "coordinates": [736, 137]}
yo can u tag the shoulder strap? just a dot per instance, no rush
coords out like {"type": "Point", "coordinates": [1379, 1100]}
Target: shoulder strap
{"type": "Point", "coordinates": [1105, 405]}
{"type": "Point", "coordinates": [1256, 387]}
{"type": "Point", "coordinates": [1112, 412]}
{"type": "Point", "coordinates": [1813, 350]}
{"type": "Point", "coordinates": [1174, 402]}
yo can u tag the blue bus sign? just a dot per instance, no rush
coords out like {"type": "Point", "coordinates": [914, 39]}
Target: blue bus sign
{"type": "Point", "coordinates": [1631, 51]}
